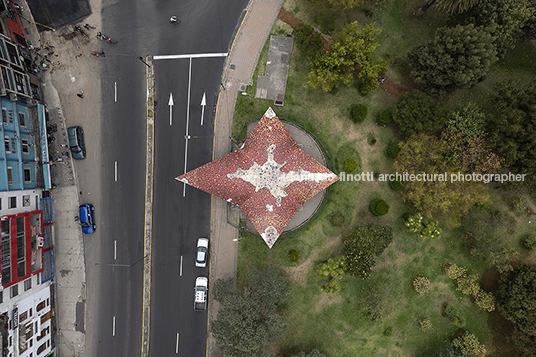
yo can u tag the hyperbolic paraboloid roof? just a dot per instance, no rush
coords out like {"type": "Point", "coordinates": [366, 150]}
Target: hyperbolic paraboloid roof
{"type": "Point", "coordinates": [269, 177]}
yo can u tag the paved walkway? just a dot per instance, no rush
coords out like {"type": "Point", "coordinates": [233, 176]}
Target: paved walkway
{"type": "Point", "coordinates": [239, 69]}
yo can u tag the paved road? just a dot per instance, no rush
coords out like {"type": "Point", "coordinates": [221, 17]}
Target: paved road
{"type": "Point", "coordinates": [141, 28]}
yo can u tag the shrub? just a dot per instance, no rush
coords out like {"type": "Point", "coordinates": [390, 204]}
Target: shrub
{"type": "Point", "coordinates": [455, 272]}
{"type": "Point", "coordinates": [331, 287]}
{"type": "Point", "coordinates": [336, 219]}
{"type": "Point", "coordinates": [358, 112]}
{"type": "Point", "coordinates": [379, 207]}
{"type": "Point", "coordinates": [384, 118]}
{"type": "Point", "coordinates": [388, 331]}
{"type": "Point", "coordinates": [421, 284]}
{"type": "Point", "coordinates": [393, 150]}
{"type": "Point", "coordinates": [529, 242]}
{"type": "Point", "coordinates": [371, 140]}
{"type": "Point", "coordinates": [293, 256]}
{"type": "Point", "coordinates": [333, 270]}
{"type": "Point", "coordinates": [469, 285]}
{"type": "Point", "coordinates": [469, 345]}
{"type": "Point", "coordinates": [350, 165]}
{"type": "Point", "coordinates": [449, 310]}
{"type": "Point", "coordinates": [426, 325]}
{"type": "Point", "coordinates": [485, 300]}
{"type": "Point", "coordinates": [396, 185]}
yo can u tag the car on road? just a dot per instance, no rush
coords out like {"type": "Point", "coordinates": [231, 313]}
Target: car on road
{"type": "Point", "coordinates": [201, 255]}
{"type": "Point", "coordinates": [86, 217]}
{"type": "Point", "coordinates": [76, 142]}
{"type": "Point", "coordinates": [201, 290]}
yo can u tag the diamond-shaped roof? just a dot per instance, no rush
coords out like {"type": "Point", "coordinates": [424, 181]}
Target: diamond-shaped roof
{"type": "Point", "coordinates": [269, 177]}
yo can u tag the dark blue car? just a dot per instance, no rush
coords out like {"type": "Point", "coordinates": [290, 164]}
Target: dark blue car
{"type": "Point", "coordinates": [87, 220]}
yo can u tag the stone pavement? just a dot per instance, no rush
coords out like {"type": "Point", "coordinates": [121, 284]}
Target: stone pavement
{"type": "Point", "coordinates": [240, 65]}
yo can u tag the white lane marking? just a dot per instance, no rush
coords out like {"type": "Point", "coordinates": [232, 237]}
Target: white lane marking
{"type": "Point", "coordinates": [177, 344]}
{"type": "Point", "coordinates": [113, 327]}
{"type": "Point", "coordinates": [187, 137]}
{"type": "Point", "coordinates": [171, 103]}
{"type": "Point", "coordinates": [180, 272]}
{"type": "Point", "coordinates": [203, 103]}
{"type": "Point", "coordinates": [115, 90]}
{"type": "Point", "coordinates": [115, 250]}
{"type": "Point", "coordinates": [115, 171]}
{"type": "Point", "coordinates": [198, 55]}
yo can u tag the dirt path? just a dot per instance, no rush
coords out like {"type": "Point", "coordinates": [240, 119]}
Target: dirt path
{"type": "Point", "coordinates": [388, 85]}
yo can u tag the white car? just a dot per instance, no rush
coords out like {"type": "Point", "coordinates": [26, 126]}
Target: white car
{"type": "Point", "coordinates": [201, 289]}
{"type": "Point", "coordinates": [201, 255]}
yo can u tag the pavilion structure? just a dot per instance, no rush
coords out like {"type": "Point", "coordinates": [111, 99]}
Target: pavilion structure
{"type": "Point", "coordinates": [269, 177]}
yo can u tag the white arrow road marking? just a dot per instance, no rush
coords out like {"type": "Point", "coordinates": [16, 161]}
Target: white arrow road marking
{"type": "Point", "coordinates": [171, 103]}
{"type": "Point", "coordinates": [203, 103]}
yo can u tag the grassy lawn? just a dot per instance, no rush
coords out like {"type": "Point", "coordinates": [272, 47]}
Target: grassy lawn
{"type": "Point", "coordinates": [338, 324]}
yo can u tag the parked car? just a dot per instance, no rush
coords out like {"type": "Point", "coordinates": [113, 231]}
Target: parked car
{"type": "Point", "coordinates": [201, 256]}
{"type": "Point", "coordinates": [76, 142]}
{"type": "Point", "coordinates": [201, 289]}
{"type": "Point", "coordinates": [86, 217]}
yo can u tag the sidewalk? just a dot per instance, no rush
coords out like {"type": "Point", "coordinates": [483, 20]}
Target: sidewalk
{"type": "Point", "coordinates": [59, 83]}
{"type": "Point", "coordinates": [239, 69]}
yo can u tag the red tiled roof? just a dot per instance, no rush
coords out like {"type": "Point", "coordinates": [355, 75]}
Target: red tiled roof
{"type": "Point", "coordinates": [269, 177]}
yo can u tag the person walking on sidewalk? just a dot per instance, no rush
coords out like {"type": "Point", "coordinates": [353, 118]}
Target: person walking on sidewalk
{"type": "Point", "coordinates": [81, 94]}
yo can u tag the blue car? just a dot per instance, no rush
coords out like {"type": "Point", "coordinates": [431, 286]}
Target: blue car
{"type": "Point", "coordinates": [87, 220]}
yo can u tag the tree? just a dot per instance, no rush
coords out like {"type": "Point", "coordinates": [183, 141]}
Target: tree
{"type": "Point", "coordinates": [307, 40]}
{"type": "Point", "coordinates": [362, 244]}
{"type": "Point", "coordinates": [249, 319]}
{"type": "Point", "coordinates": [503, 20]}
{"type": "Point", "coordinates": [469, 121]}
{"type": "Point", "coordinates": [516, 297]}
{"type": "Point", "coordinates": [457, 58]}
{"type": "Point", "coordinates": [512, 130]}
{"type": "Point", "coordinates": [469, 345]}
{"type": "Point", "coordinates": [524, 343]}
{"type": "Point", "coordinates": [333, 271]}
{"type": "Point", "coordinates": [436, 194]}
{"type": "Point", "coordinates": [338, 65]}
{"type": "Point", "coordinates": [451, 351]}
{"type": "Point", "coordinates": [447, 5]}
{"type": "Point", "coordinates": [313, 353]}
{"type": "Point", "coordinates": [417, 113]}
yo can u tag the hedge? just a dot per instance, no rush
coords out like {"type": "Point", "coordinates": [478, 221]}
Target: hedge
{"type": "Point", "coordinates": [358, 112]}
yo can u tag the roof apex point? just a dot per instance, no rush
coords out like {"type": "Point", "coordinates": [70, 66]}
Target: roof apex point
{"type": "Point", "coordinates": [270, 113]}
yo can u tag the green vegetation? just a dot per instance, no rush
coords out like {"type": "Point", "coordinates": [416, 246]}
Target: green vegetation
{"type": "Point", "coordinates": [379, 207]}
{"type": "Point", "coordinates": [350, 165]}
{"type": "Point", "coordinates": [358, 112]}
{"type": "Point", "coordinates": [382, 315]}
{"type": "Point", "coordinates": [384, 118]}
{"type": "Point", "coordinates": [293, 256]}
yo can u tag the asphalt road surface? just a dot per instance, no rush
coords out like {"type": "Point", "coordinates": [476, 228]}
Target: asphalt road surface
{"type": "Point", "coordinates": [180, 215]}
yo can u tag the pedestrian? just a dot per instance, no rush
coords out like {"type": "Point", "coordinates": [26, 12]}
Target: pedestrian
{"type": "Point", "coordinates": [81, 94]}
{"type": "Point", "coordinates": [63, 145]}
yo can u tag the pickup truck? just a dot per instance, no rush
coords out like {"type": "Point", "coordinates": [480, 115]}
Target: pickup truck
{"type": "Point", "coordinates": [201, 289]}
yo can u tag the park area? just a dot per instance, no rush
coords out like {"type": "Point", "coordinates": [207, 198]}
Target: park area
{"type": "Point", "coordinates": [392, 268]}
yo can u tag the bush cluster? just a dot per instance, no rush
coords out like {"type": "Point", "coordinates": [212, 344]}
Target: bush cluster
{"type": "Point", "coordinates": [358, 112]}
{"type": "Point", "coordinates": [379, 207]}
{"type": "Point", "coordinates": [428, 228]}
{"type": "Point", "coordinates": [350, 165]}
{"type": "Point", "coordinates": [452, 314]}
{"type": "Point", "coordinates": [468, 285]}
{"type": "Point", "coordinates": [384, 118]}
